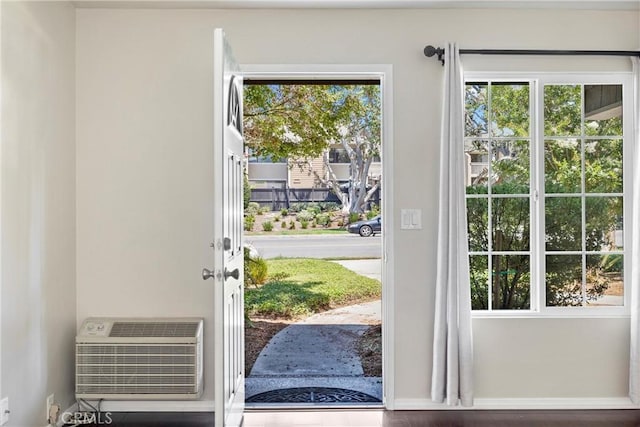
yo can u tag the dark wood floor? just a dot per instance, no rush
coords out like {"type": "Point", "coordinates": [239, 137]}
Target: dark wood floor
{"type": "Point", "coordinates": [379, 418]}
{"type": "Point", "coordinates": [514, 418]}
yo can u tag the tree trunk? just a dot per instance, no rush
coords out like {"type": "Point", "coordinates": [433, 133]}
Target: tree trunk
{"type": "Point", "coordinates": [497, 270]}
{"type": "Point", "coordinates": [356, 196]}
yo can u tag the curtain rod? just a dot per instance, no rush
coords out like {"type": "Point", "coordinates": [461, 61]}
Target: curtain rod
{"type": "Point", "coordinates": [431, 51]}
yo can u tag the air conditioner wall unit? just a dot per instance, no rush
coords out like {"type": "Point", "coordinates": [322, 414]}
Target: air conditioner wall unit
{"type": "Point", "coordinates": [139, 359]}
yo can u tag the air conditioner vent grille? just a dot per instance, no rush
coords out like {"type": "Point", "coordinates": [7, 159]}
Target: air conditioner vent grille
{"type": "Point", "coordinates": [168, 380]}
{"type": "Point", "coordinates": [102, 369]}
{"type": "Point", "coordinates": [154, 329]}
{"type": "Point", "coordinates": [99, 390]}
{"type": "Point", "coordinates": [146, 359]}
{"type": "Point", "coordinates": [135, 360]}
{"type": "Point", "coordinates": [140, 355]}
{"type": "Point", "coordinates": [138, 350]}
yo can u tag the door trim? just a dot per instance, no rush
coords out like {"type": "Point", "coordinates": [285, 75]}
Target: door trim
{"type": "Point", "coordinates": [383, 73]}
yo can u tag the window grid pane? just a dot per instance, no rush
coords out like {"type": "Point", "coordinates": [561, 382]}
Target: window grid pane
{"type": "Point", "coordinates": [588, 170]}
{"type": "Point", "coordinates": [604, 282]}
{"type": "Point", "coordinates": [498, 197]}
{"type": "Point", "coordinates": [510, 275]}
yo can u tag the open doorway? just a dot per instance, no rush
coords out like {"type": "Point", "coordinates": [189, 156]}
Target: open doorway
{"type": "Point", "coordinates": [316, 322]}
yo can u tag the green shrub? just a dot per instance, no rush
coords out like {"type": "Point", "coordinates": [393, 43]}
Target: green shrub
{"type": "Point", "coordinates": [284, 212]}
{"type": "Point", "coordinates": [313, 207]}
{"type": "Point", "coordinates": [296, 207]}
{"type": "Point", "coordinates": [267, 226]}
{"type": "Point", "coordinates": [328, 206]}
{"type": "Point", "coordinates": [375, 210]}
{"type": "Point", "coordinates": [304, 223]}
{"type": "Point", "coordinates": [253, 208]}
{"type": "Point", "coordinates": [323, 219]}
{"type": "Point", "coordinates": [277, 218]}
{"type": "Point", "coordinates": [292, 225]}
{"type": "Point", "coordinates": [255, 269]}
{"type": "Point", "coordinates": [305, 216]}
{"type": "Point", "coordinates": [249, 221]}
{"type": "Point", "coordinates": [353, 217]}
{"type": "Point", "coordinates": [283, 224]}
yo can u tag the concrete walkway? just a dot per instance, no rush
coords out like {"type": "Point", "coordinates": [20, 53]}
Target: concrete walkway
{"type": "Point", "coordinates": [311, 350]}
{"type": "Point", "coordinates": [365, 267]}
{"type": "Point", "coordinates": [321, 345]}
{"type": "Point", "coordinates": [320, 351]}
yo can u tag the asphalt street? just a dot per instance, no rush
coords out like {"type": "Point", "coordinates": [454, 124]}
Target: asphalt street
{"type": "Point", "coordinates": [317, 246]}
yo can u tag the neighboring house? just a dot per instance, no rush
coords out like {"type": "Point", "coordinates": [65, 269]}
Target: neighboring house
{"type": "Point", "coordinates": [267, 173]}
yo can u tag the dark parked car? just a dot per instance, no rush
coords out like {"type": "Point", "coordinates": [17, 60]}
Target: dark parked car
{"type": "Point", "coordinates": [367, 227]}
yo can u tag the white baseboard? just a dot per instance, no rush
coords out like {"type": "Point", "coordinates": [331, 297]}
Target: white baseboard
{"type": "Point", "coordinates": [521, 403]}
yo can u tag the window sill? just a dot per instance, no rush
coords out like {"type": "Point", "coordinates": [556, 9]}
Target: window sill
{"type": "Point", "coordinates": [621, 313]}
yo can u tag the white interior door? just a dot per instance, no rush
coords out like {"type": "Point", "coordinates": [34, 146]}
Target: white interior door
{"type": "Point", "coordinates": [228, 273]}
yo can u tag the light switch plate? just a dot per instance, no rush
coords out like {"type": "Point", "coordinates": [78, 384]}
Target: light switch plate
{"type": "Point", "coordinates": [411, 219]}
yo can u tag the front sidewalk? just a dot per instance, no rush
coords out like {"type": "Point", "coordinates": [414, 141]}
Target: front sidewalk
{"type": "Point", "coordinates": [319, 351]}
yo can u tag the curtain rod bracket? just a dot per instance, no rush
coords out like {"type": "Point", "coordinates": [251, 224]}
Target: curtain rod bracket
{"type": "Point", "coordinates": [429, 51]}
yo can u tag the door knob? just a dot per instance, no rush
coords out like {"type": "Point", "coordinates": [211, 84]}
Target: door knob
{"type": "Point", "coordinates": [235, 274]}
{"type": "Point", "coordinates": [207, 274]}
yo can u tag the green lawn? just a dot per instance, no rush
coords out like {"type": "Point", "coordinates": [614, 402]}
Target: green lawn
{"type": "Point", "coordinates": [299, 287]}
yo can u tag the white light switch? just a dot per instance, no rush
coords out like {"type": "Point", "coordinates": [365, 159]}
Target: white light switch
{"type": "Point", "coordinates": [411, 219]}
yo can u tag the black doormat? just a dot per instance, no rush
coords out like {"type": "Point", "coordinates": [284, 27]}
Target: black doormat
{"type": "Point", "coordinates": [313, 395]}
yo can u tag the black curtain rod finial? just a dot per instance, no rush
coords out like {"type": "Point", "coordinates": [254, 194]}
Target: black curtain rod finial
{"type": "Point", "coordinates": [429, 51]}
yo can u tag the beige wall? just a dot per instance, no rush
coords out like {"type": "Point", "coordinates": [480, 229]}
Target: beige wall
{"type": "Point", "coordinates": [302, 176]}
{"type": "Point", "coordinates": [38, 312]}
{"type": "Point", "coordinates": [144, 178]}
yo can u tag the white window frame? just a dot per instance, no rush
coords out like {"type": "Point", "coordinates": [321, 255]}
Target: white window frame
{"type": "Point", "coordinates": [537, 81]}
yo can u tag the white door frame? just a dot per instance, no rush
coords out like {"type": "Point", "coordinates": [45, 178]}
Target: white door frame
{"type": "Point", "coordinates": [383, 73]}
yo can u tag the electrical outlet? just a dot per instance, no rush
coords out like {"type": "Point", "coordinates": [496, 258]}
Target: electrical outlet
{"type": "Point", "coordinates": [4, 411]}
{"type": "Point", "coordinates": [50, 401]}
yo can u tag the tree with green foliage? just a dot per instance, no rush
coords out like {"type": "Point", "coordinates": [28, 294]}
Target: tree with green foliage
{"type": "Point", "coordinates": [301, 123]}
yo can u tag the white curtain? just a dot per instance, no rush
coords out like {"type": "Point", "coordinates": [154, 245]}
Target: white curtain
{"type": "Point", "coordinates": [634, 365]}
{"type": "Point", "coordinates": [452, 377]}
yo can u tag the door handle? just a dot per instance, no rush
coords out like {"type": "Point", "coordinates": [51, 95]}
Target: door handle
{"type": "Point", "coordinates": [235, 274]}
{"type": "Point", "coordinates": [207, 274]}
